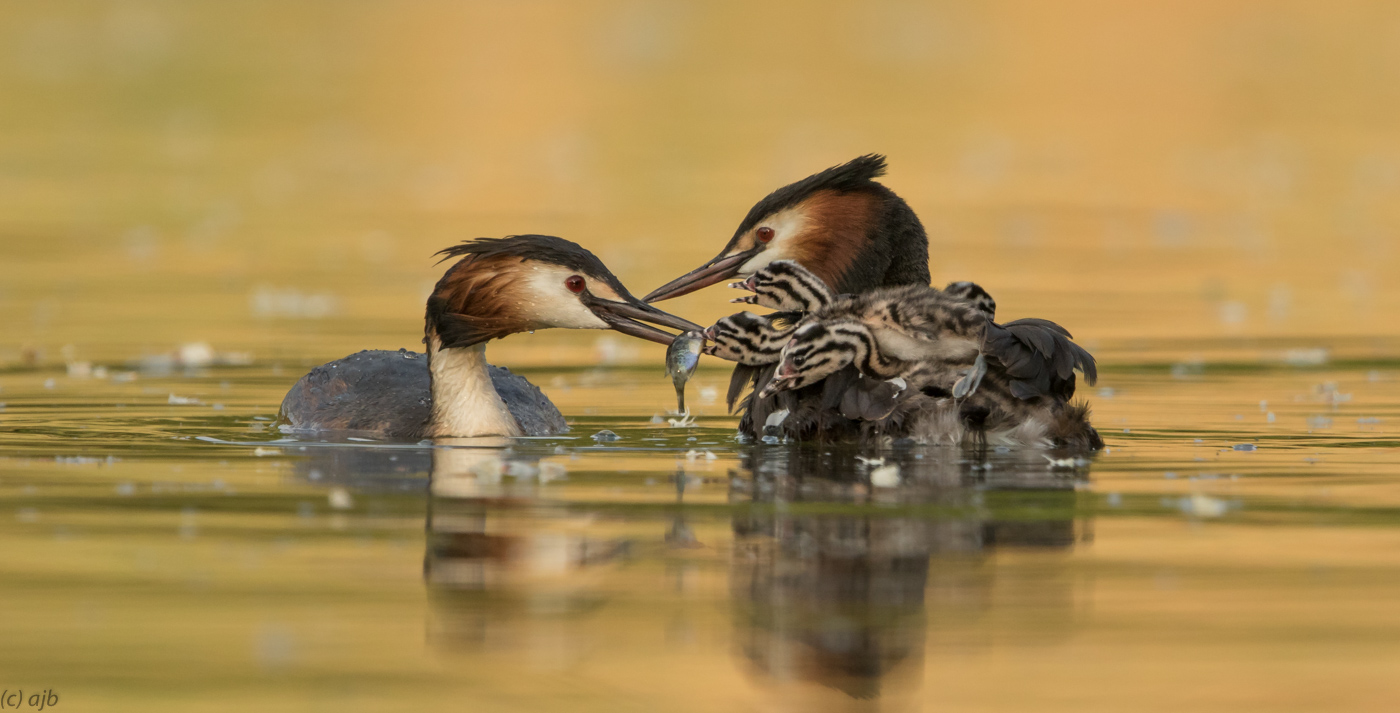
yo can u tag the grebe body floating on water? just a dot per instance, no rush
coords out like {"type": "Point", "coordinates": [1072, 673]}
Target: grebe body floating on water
{"type": "Point", "coordinates": [499, 287]}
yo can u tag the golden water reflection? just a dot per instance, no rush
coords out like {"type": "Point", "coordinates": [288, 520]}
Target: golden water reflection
{"type": "Point", "coordinates": [830, 592]}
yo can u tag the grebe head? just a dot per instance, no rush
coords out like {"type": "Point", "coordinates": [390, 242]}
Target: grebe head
{"type": "Point", "coordinates": [815, 351]}
{"type": "Point", "coordinates": [750, 338]}
{"type": "Point", "coordinates": [973, 292]}
{"type": "Point", "coordinates": [840, 224]}
{"type": "Point", "coordinates": [526, 282]}
{"type": "Point", "coordinates": [787, 286]}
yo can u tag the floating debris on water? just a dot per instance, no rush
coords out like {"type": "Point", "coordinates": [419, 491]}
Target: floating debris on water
{"type": "Point", "coordinates": [339, 499]}
{"type": "Point", "coordinates": [1200, 505]}
{"type": "Point", "coordinates": [886, 476]}
{"type": "Point", "coordinates": [605, 436]}
{"type": "Point", "coordinates": [261, 452]}
{"type": "Point", "coordinates": [521, 470]}
{"type": "Point", "coordinates": [551, 471]}
{"type": "Point", "coordinates": [1188, 369]}
{"type": "Point", "coordinates": [183, 400]}
{"type": "Point", "coordinates": [1066, 463]}
{"type": "Point", "coordinates": [1307, 356]}
{"type": "Point", "coordinates": [870, 462]}
{"type": "Point", "coordinates": [1246, 447]}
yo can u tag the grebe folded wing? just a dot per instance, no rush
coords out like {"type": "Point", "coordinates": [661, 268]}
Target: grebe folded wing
{"type": "Point", "coordinates": [388, 394]}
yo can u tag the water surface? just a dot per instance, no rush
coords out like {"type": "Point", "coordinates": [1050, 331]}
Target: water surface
{"type": "Point", "coordinates": [186, 556]}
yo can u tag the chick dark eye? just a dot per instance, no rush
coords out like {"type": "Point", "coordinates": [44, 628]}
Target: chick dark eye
{"type": "Point", "coordinates": [575, 284]}
{"type": "Point", "coordinates": [765, 234]}
{"type": "Point", "coordinates": [799, 360]}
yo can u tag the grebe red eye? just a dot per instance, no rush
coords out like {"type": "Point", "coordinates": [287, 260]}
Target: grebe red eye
{"type": "Point", "coordinates": [765, 234]}
{"type": "Point", "coordinates": [575, 284]}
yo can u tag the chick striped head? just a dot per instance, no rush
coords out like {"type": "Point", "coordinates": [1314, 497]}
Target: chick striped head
{"type": "Point", "coordinates": [818, 350]}
{"type": "Point", "coordinates": [785, 285]}
{"type": "Point", "coordinates": [973, 292]}
{"type": "Point", "coordinates": [751, 339]}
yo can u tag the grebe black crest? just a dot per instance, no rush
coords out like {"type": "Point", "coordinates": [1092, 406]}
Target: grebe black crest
{"type": "Point", "coordinates": [496, 288]}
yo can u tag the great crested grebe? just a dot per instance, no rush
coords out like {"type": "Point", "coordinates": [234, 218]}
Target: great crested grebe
{"type": "Point", "coordinates": [852, 232]}
{"type": "Point", "coordinates": [498, 287]}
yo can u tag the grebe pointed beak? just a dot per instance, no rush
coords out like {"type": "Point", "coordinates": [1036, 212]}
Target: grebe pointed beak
{"type": "Point", "coordinates": [708, 274]}
{"type": "Point", "coordinates": [628, 318]}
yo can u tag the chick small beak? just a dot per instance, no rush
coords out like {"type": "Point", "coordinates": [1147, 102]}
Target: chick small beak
{"type": "Point", "coordinates": [772, 387]}
{"type": "Point", "coordinates": [708, 274]}
{"type": "Point", "coordinates": [628, 318]}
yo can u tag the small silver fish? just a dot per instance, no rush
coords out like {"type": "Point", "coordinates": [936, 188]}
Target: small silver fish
{"type": "Point", "coordinates": [681, 359]}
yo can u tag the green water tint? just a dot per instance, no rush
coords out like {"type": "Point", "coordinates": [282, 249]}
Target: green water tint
{"type": "Point", "coordinates": [167, 553]}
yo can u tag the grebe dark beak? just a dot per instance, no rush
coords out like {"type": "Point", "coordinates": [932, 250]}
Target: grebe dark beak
{"type": "Point", "coordinates": [708, 274]}
{"type": "Point", "coordinates": [627, 317]}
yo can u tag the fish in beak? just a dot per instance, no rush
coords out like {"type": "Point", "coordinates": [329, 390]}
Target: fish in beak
{"type": "Point", "coordinates": [716, 270]}
{"type": "Point", "coordinates": [628, 317]}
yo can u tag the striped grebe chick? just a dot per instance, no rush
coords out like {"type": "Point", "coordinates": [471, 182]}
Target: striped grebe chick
{"type": "Point", "coordinates": [498, 287]}
{"type": "Point", "coordinates": [924, 404]}
{"type": "Point", "coordinates": [917, 323]}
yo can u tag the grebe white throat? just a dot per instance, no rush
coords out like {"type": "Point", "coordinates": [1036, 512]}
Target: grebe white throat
{"type": "Point", "coordinates": [464, 401]}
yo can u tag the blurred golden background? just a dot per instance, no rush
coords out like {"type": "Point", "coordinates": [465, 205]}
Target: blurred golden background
{"type": "Point", "coordinates": [275, 177]}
